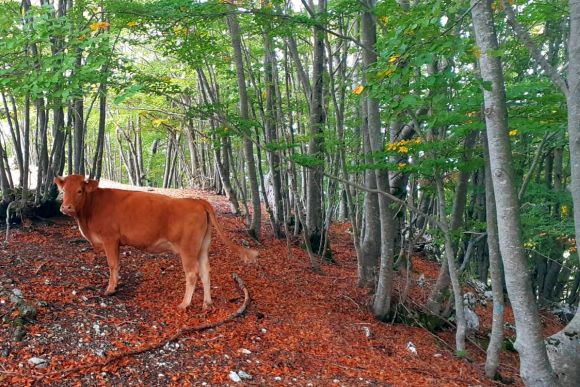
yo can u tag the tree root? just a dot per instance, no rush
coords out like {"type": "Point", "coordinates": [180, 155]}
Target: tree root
{"type": "Point", "coordinates": [182, 332]}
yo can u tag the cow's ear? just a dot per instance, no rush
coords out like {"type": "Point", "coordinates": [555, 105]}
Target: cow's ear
{"type": "Point", "coordinates": [59, 181]}
{"type": "Point", "coordinates": [92, 185]}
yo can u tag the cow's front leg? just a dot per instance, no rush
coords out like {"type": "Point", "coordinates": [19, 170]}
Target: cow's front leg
{"type": "Point", "coordinates": [112, 251]}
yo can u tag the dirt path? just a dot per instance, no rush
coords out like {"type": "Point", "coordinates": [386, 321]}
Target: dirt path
{"type": "Point", "coordinates": [301, 328]}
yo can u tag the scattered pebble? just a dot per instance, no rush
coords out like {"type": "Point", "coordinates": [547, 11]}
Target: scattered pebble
{"type": "Point", "coordinates": [277, 378]}
{"type": "Point", "coordinates": [244, 375]}
{"type": "Point", "coordinates": [234, 377]}
{"type": "Point", "coordinates": [245, 351]}
{"type": "Point", "coordinates": [411, 348]}
{"type": "Point", "coordinates": [38, 362]}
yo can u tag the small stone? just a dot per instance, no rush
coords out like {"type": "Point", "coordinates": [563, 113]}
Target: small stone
{"type": "Point", "coordinates": [234, 377]}
{"type": "Point", "coordinates": [27, 311]}
{"type": "Point", "coordinates": [17, 292]}
{"type": "Point", "coordinates": [38, 362]}
{"type": "Point", "coordinates": [277, 378]}
{"type": "Point", "coordinates": [226, 356]}
{"type": "Point", "coordinates": [160, 376]}
{"type": "Point", "coordinates": [19, 333]}
{"type": "Point", "coordinates": [244, 375]}
{"type": "Point", "coordinates": [367, 331]}
{"type": "Point", "coordinates": [263, 330]}
{"type": "Point", "coordinates": [43, 304]}
{"type": "Point", "coordinates": [103, 305]}
{"type": "Point", "coordinates": [100, 352]}
{"type": "Point", "coordinates": [336, 381]}
{"type": "Point", "coordinates": [74, 292]}
{"type": "Point", "coordinates": [437, 355]}
{"type": "Point", "coordinates": [245, 351]}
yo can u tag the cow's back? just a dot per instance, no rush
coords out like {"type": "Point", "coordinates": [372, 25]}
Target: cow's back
{"type": "Point", "coordinates": [144, 220]}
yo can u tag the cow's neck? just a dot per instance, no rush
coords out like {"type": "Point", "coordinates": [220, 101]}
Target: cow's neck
{"type": "Point", "coordinates": [85, 214]}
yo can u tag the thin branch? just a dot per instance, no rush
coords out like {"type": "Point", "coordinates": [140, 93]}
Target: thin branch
{"type": "Point", "coordinates": [525, 37]}
{"type": "Point", "coordinates": [182, 332]}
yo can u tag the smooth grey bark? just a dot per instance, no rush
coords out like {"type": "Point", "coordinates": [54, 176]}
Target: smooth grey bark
{"type": "Point", "coordinates": [436, 297]}
{"type": "Point", "coordinates": [370, 244]}
{"type": "Point", "coordinates": [383, 291]}
{"type": "Point", "coordinates": [564, 346]}
{"type": "Point", "coordinates": [453, 276]}
{"type": "Point", "coordinates": [495, 272]}
{"type": "Point", "coordinates": [535, 368]}
{"type": "Point", "coordinates": [271, 134]}
{"type": "Point", "coordinates": [254, 227]}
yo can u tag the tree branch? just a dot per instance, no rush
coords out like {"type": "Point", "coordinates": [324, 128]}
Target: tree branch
{"type": "Point", "coordinates": [525, 37]}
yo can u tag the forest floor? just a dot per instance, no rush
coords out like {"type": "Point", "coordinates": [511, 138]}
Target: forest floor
{"type": "Point", "coordinates": [301, 328]}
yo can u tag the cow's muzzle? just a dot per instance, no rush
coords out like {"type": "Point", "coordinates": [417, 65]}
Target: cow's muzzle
{"type": "Point", "coordinates": [67, 210]}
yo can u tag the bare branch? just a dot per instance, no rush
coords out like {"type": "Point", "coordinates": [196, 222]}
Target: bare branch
{"type": "Point", "coordinates": [525, 37]}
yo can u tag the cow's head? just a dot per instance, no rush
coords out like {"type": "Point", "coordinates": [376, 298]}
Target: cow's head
{"type": "Point", "coordinates": [75, 189]}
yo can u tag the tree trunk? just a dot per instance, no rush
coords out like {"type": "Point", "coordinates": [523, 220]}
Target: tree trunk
{"type": "Point", "coordinates": [564, 346]}
{"type": "Point", "coordinates": [255, 225]}
{"type": "Point", "coordinates": [383, 292]}
{"type": "Point", "coordinates": [314, 187]}
{"type": "Point", "coordinates": [495, 270]}
{"type": "Point", "coordinates": [534, 366]}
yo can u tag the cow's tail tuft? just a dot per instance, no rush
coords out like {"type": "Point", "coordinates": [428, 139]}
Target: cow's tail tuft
{"type": "Point", "coordinates": [247, 255]}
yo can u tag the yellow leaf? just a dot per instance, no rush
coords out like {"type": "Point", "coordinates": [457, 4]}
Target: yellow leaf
{"type": "Point", "coordinates": [99, 26]}
{"type": "Point", "coordinates": [476, 52]}
{"type": "Point", "coordinates": [402, 165]}
{"type": "Point", "coordinates": [513, 132]}
{"type": "Point", "coordinates": [388, 72]}
{"type": "Point", "coordinates": [394, 58]}
{"type": "Point", "coordinates": [564, 211]}
{"type": "Point", "coordinates": [403, 149]}
{"type": "Point", "coordinates": [358, 90]}
{"type": "Point", "coordinates": [384, 19]}
{"type": "Point", "coordinates": [132, 24]}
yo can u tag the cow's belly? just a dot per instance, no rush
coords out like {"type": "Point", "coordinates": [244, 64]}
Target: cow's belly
{"type": "Point", "coordinates": [157, 246]}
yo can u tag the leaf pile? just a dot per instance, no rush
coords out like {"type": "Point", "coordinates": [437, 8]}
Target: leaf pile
{"type": "Point", "coordinates": [301, 328]}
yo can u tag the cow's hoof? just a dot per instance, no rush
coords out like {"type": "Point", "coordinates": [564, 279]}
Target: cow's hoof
{"type": "Point", "coordinates": [182, 306]}
{"type": "Point", "coordinates": [207, 306]}
{"type": "Point", "coordinates": [110, 292]}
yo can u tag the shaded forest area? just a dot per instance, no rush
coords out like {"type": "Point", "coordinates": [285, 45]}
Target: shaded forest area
{"type": "Point", "coordinates": [445, 129]}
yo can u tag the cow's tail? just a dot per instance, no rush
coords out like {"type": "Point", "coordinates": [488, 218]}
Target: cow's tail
{"type": "Point", "coordinates": [248, 255]}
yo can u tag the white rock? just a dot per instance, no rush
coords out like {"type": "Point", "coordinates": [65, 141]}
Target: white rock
{"type": "Point", "coordinates": [244, 375]}
{"type": "Point", "coordinates": [38, 362]}
{"type": "Point", "coordinates": [245, 351]}
{"type": "Point", "coordinates": [411, 348]}
{"type": "Point", "coordinates": [234, 377]}
{"type": "Point", "coordinates": [471, 319]}
{"type": "Point", "coordinates": [263, 330]}
{"type": "Point", "coordinates": [277, 378]}
{"type": "Point", "coordinates": [367, 331]}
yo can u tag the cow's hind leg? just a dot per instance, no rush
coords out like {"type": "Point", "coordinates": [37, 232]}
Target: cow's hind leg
{"type": "Point", "coordinates": [189, 260]}
{"type": "Point", "coordinates": [112, 251]}
{"type": "Point", "coordinates": [204, 268]}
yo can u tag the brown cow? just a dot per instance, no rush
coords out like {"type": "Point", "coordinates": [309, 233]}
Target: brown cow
{"type": "Point", "coordinates": [109, 218]}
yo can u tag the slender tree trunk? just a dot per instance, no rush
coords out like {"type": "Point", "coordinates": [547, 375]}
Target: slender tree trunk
{"type": "Point", "coordinates": [383, 293]}
{"type": "Point", "coordinates": [534, 365]}
{"type": "Point", "coordinates": [314, 190]}
{"type": "Point", "coordinates": [255, 225]}
{"type": "Point", "coordinates": [450, 255]}
{"type": "Point", "coordinates": [496, 273]}
{"type": "Point", "coordinates": [564, 346]}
